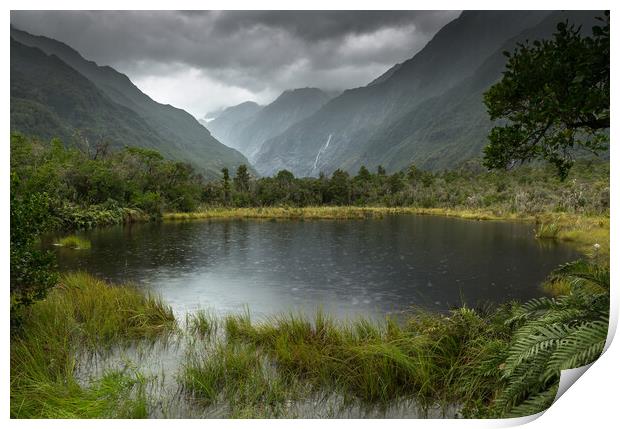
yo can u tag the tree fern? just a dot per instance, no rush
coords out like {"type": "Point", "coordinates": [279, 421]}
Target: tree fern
{"type": "Point", "coordinates": [552, 335]}
{"type": "Point", "coordinates": [581, 347]}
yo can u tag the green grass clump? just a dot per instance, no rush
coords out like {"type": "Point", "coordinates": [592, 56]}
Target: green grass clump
{"type": "Point", "coordinates": [115, 395]}
{"type": "Point", "coordinates": [548, 231]}
{"type": "Point", "coordinates": [427, 359]}
{"type": "Point", "coordinates": [107, 313]}
{"type": "Point", "coordinates": [74, 242]}
{"type": "Point", "coordinates": [202, 324]}
{"type": "Point", "coordinates": [82, 314]}
{"type": "Point", "coordinates": [239, 376]}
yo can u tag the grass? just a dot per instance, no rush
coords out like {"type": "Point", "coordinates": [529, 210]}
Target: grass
{"type": "Point", "coordinates": [262, 369]}
{"type": "Point", "coordinates": [202, 324]}
{"type": "Point", "coordinates": [329, 212]}
{"type": "Point", "coordinates": [557, 287]}
{"type": "Point", "coordinates": [239, 376]}
{"type": "Point", "coordinates": [547, 231]}
{"type": "Point", "coordinates": [74, 242]}
{"type": "Point", "coordinates": [487, 362]}
{"type": "Point", "coordinates": [81, 314]}
{"type": "Point", "coordinates": [268, 368]}
{"type": "Point", "coordinates": [430, 359]}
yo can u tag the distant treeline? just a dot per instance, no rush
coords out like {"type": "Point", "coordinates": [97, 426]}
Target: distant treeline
{"type": "Point", "coordinates": [98, 186]}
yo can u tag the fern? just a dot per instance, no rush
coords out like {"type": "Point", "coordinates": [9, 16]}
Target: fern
{"type": "Point", "coordinates": [552, 335]}
{"type": "Point", "coordinates": [534, 404]}
{"type": "Point", "coordinates": [581, 347]}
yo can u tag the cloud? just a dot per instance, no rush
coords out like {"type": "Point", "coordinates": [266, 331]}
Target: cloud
{"type": "Point", "coordinates": [203, 60]}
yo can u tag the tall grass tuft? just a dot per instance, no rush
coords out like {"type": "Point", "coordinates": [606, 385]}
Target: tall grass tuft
{"type": "Point", "coordinates": [74, 242]}
{"type": "Point", "coordinates": [240, 376]}
{"type": "Point", "coordinates": [202, 324]}
{"type": "Point", "coordinates": [81, 314]}
{"type": "Point", "coordinates": [548, 231]}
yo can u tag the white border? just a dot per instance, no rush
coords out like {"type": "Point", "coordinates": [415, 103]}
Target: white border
{"type": "Point", "coordinates": [591, 402]}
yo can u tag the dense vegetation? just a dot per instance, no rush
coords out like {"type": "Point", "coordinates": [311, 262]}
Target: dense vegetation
{"type": "Point", "coordinates": [555, 96]}
{"type": "Point", "coordinates": [89, 188]}
{"type": "Point", "coordinates": [527, 190]}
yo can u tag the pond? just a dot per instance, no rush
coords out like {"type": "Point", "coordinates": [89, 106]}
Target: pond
{"type": "Point", "coordinates": [349, 268]}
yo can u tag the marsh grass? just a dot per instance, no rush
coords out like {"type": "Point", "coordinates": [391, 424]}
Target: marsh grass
{"type": "Point", "coordinates": [239, 376]}
{"type": "Point", "coordinates": [74, 242]}
{"type": "Point", "coordinates": [82, 314]}
{"type": "Point", "coordinates": [332, 212]}
{"type": "Point", "coordinates": [547, 231]}
{"type": "Point", "coordinates": [202, 324]}
{"type": "Point", "coordinates": [428, 359]}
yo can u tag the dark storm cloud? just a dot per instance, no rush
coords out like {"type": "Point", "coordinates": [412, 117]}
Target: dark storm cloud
{"type": "Point", "coordinates": [255, 54]}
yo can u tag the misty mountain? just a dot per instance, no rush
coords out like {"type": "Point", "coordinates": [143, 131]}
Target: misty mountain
{"type": "Point", "coordinates": [229, 122]}
{"type": "Point", "coordinates": [427, 109]}
{"type": "Point", "coordinates": [247, 126]}
{"type": "Point", "coordinates": [452, 127]}
{"type": "Point", "coordinates": [124, 114]}
{"type": "Point", "coordinates": [50, 99]}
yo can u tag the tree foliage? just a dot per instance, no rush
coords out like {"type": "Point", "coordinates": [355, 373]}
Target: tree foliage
{"type": "Point", "coordinates": [554, 97]}
{"type": "Point", "coordinates": [32, 269]}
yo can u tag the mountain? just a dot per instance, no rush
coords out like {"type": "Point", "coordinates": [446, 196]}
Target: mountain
{"type": "Point", "coordinates": [230, 121]}
{"type": "Point", "coordinates": [50, 99]}
{"type": "Point", "coordinates": [452, 127]}
{"type": "Point", "coordinates": [172, 131]}
{"type": "Point", "coordinates": [247, 126]}
{"type": "Point", "coordinates": [348, 131]}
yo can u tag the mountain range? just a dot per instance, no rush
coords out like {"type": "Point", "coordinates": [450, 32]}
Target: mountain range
{"type": "Point", "coordinates": [55, 92]}
{"type": "Point", "coordinates": [247, 126]}
{"type": "Point", "coordinates": [427, 110]}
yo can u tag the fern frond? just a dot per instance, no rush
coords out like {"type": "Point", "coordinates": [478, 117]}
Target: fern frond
{"type": "Point", "coordinates": [534, 404]}
{"type": "Point", "coordinates": [581, 347]}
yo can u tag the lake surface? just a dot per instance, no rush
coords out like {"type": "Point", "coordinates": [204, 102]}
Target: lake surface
{"type": "Point", "coordinates": [367, 267]}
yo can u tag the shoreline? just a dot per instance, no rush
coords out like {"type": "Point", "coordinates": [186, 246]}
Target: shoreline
{"type": "Point", "coordinates": [583, 231]}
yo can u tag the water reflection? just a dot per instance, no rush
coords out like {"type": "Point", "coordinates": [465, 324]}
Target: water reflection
{"type": "Point", "coordinates": [363, 267]}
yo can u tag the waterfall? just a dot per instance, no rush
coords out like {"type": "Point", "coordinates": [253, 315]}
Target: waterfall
{"type": "Point", "coordinates": [323, 148]}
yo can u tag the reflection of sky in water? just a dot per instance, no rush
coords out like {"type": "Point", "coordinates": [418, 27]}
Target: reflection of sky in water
{"type": "Point", "coordinates": [369, 267]}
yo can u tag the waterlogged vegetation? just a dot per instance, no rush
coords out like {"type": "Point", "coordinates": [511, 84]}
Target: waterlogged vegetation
{"type": "Point", "coordinates": [73, 242]}
{"type": "Point", "coordinates": [82, 315]}
{"type": "Point", "coordinates": [473, 362]}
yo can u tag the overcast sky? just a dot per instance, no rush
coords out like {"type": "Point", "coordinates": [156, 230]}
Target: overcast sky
{"type": "Point", "coordinates": [204, 60]}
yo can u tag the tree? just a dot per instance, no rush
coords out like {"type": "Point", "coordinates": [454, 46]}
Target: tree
{"type": "Point", "coordinates": [32, 269]}
{"type": "Point", "coordinates": [339, 190]}
{"type": "Point", "coordinates": [555, 96]}
{"type": "Point", "coordinates": [363, 175]}
{"type": "Point", "coordinates": [395, 183]}
{"type": "Point", "coordinates": [242, 179]}
{"type": "Point", "coordinates": [225, 185]}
